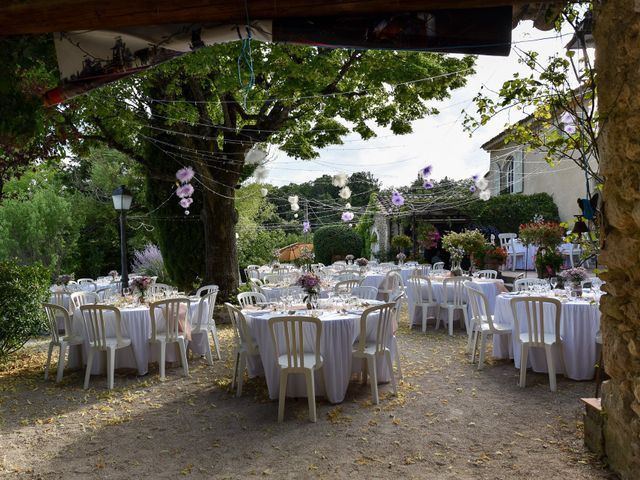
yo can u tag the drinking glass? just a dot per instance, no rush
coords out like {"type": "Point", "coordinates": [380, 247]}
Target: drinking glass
{"type": "Point", "coordinates": [553, 281]}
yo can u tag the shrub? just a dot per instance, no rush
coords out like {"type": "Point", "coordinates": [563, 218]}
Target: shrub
{"type": "Point", "coordinates": [507, 212]}
{"type": "Point", "coordinates": [401, 242]}
{"type": "Point", "coordinates": [22, 291]}
{"type": "Point", "coordinates": [149, 262]}
{"type": "Point", "coordinates": [336, 241]}
{"type": "Point", "coordinates": [542, 234]}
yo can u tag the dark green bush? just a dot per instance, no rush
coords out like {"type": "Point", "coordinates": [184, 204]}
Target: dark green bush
{"type": "Point", "coordinates": [22, 291]}
{"type": "Point", "coordinates": [507, 212]}
{"type": "Point", "coordinates": [336, 241]}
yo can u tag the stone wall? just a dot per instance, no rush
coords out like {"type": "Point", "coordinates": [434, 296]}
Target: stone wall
{"type": "Point", "coordinates": [617, 34]}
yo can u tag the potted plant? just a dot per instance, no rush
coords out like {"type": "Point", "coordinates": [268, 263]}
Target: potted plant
{"type": "Point", "coordinates": [547, 262]}
{"type": "Point", "coordinates": [468, 242]}
{"type": "Point", "coordinates": [494, 257]}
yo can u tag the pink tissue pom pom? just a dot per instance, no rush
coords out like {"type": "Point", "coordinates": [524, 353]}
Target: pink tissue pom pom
{"type": "Point", "coordinates": [185, 174]}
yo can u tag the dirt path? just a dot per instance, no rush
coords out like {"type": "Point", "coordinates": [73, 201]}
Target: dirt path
{"type": "Point", "coordinates": [448, 421]}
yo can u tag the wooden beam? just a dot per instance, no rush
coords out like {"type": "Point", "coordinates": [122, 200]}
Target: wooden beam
{"type": "Point", "coordinates": [43, 16]}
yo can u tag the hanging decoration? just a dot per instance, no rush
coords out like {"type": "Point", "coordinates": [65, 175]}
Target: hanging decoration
{"type": "Point", "coordinates": [264, 192]}
{"type": "Point", "coordinates": [260, 173]}
{"type": "Point", "coordinates": [295, 215]}
{"type": "Point", "coordinates": [397, 199]}
{"type": "Point", "coordinates": [306, 227]}
{"type": "Point", "coordinates": [293, 201]}
{"type": "Point", "coordinates": [347, 216]}
{"type": "Point", "coordinates": [255, 156]}
{"type": "Point", "coordinates": [347, 206]}
{"type": "Point", "coordinates": [426, 171]}
{"type": "Point", "coordinates": [428, 184]}
{"type": "Point", "coordinates": [184, 189]}
{"type": "Point", "coordinates": [568, 123]}
{"type": "Point", "coordinates": [480, 185]}
{"type": "Point", "coordinates": [345, 193]}
{"type": "Point", "coordinates": [340, 180]}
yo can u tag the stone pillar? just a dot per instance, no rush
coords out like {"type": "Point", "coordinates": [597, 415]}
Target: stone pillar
{"type": "Point", "coordinates": [617, 34]}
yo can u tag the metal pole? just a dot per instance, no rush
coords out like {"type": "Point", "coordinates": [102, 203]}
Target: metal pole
{"type": "Point", "coordinates": [123, 252]}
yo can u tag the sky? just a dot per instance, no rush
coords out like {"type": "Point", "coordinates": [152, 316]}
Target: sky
{"type": "Point", "coordinates": [438, 140]}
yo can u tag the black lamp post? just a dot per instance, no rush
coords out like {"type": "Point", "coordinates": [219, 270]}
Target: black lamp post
{"type": "Point", "coordinates": [122, 202]}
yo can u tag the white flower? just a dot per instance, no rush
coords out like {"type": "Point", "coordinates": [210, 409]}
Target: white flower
{"type": "Point", "coordinates": [345, 193]}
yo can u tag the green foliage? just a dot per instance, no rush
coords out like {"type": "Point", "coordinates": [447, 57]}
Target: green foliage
{"type": "Point", "coordinates": [548, 261]}
{"type": "Point", "coordinates": [336, 241]}
{"type": "Point", "coordinates": [508, 212]}
{"type": "Point", "coordinates": [471, 241]}
{"type": "Point", "coordinates": [401, 242]}
{"type": "Point", "coordinates": [22, 291]}
{"type": "Point", "coordinates": [541, 234]}
{"type": "Point", "coordinates": [37, 223]}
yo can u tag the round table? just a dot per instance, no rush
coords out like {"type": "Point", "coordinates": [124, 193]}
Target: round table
{"type": "Point", "coordinates": [579, 324]}
{"type": "Point", "coordinates": [136, 325]}
{"type": "Point", "coordinates": [339, 332]}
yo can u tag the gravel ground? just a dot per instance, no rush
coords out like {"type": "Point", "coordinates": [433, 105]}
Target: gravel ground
{"type": "Point", "coordinates": [448, 421]}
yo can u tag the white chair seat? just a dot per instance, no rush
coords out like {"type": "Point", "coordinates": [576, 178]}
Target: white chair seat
{"type": "Point", "coordinates": [548, 339]}
{"type": "Point", "coordinates": [309, 361]}
{"type": "Point", "coordinates": [162, 337]}
{"type": "Point", "coordinates": [369, 349]}
{"type": "Point", "coordinates": [73, 339]}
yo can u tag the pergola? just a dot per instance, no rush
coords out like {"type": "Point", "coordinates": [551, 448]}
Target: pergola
{"type": "Point", "coordinates": [616, 27]}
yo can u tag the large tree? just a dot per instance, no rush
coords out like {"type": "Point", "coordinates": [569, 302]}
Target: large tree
{"type": "Point", "coordinates": [192, 111]}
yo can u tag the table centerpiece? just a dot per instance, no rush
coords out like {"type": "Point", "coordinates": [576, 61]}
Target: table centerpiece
{"type": "Point", "coordinates": [310, 283]}
{"type": "Point", "coordinates": [575, 276]}
{"type": "Point", "coordinates": [140, 285]}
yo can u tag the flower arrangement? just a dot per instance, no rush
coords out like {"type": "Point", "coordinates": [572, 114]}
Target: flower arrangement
{"type": "Point", "coordinates": [349, 258]}
{"type": "Point", "coordinates": [548, 261]}
{"type": "Point", "coordinates": [148, 261]}
{"type": "Point", "coordinates": [362, 262]}
{"type": "Point", "coordinates": [113, 274]}
{"type": "Point", "coordinates": [401, 257]}
{"type": "Point", "coordinates": [64, 279]}
{"type": "Point", "coordinates": [471, 241]}
{"type": "Point", "coordinates": [541, 234]}
{"type": "Point", "coordinates": [574, 275]}
{"type": "Point", "coordinates": [310, 283]}
{"type": "Point", "coordinates": [141, 285]}
{"type": "Point", "coordinates": [457, 254]}
{"type": "Point", "coordinates": [495, 254]}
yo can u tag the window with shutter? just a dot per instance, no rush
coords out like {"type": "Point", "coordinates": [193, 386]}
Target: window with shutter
{"type": "Point", "coordinates": [517, 183]}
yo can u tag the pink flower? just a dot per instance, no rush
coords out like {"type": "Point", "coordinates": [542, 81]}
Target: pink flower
{"type": "Point", "coordinates": [185, 190]}
{"type": "Point", "coordinates": [185, 174]}
{"type": "Point", "coordinates": [186, 202]}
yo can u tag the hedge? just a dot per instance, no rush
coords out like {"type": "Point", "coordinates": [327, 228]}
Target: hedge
{"type": "Point", "coordinates": [507, 212]}
{"type": "Point", "coordinates": [336, 241]}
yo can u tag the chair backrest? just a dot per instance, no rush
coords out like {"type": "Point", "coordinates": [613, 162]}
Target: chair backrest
{"type": "Point", "coordinates": [533, 317]}
{"type": "Point", "coordinates": [241, 333]}
{"type": "Point", "coordinates": [419, 286]}
{"type": "Point", "coordinates": [344, 276]}
{"type": "Point", "coordinates": [294, 334]}
{"type": "Point", "coordinates": [173, 310]}
{"type": "Point", "coordinates": [346, 286]}
{"type": "Point", "coordinates": [252, 273]}
{"type": "Point", "coordinates": [480, 309]}
{"type": "Point", "coordinates": [487, 274]}
{"type": "Point", "coordinates": [454, 291]}
{"type": "Point", "coordinates": [588, 283]}
{"type": "Point", "coordinates": [207, 289]}
{"type": "Point", "coordinates": [53, 313]}
{"type": "Point", "coordinates": [111, 289]}
{"type": "Point", "coordinates": [95, 323]}
{"type": "Point", "coordinates": [504, 238]}
{"type": "Point", "coordinates": [206, 307]}
{"type": "Point", "coordinates": [58, 298]}
{"type": "Point", "coordinates": [276, 278]}
{"type": "Point", "coordinates": [384, 326]}
{"type": "Point", "coordinates": [159, 288]}
{"type": "Point", "coordinates": [392, 280]}
{"type": "Point", "coordinates": [438, 266]}
{"type": "Point", "coordinates": [83, 298]}
{"type": "Point", "coordinates": [524, 283]}
{"type": "Point", "coordinates": [251, 298]}
{"type": "Point", "coordinates": [256, 285]}
{"type": "Point", "coordinates": [365, 292]}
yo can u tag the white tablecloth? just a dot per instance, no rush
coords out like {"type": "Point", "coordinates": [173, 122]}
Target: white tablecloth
{"type": "Point", "coordinates": [490, 288]}
{"type": "Point", "coordinates": [336, 345]}
{"type": "Point", "coordinates": [579, 324]}
{"type": "Point", "coordinates": [136, 324]}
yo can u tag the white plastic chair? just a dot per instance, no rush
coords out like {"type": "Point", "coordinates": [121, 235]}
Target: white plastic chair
{"type": "Point", "coordinates": [207, 289]}
{"type": "Point", "coordinates": [172, 309]}
{"type": "Point", "coordinates": [536, 335]}
{"type": "Point", "coordinates": [297, 357]}
{"type": "Point", "coordinates": [574, 250]}
{"type": "Point", "coordinates": [370, 350]}
{"type": "Point", "coordinates": [83, 298]}
{"type": "Point", "coordinates": [344, 276]}
{"type": "Point", "coordinates": [87, 284]}
{"type": "Point", "coordinates": [251, 298]}
{"type": "Point", "coordinates": [255, 285]}
{"type": "Point", "coordinates": [481, 323]}
{"type": "Point", "coordinates": [397, 307]}
{"type": "Point", "coordinates": [244, 345]}
{"type": "Point", "coordinates": [345, 286]}
{"type": "Point", "coordinates": [513, 254]}
{"type": "Point", "coordinates": [391, 282]}
{"type": "Point", "coordinates": [437, 267]}
{"type": "Point", "coordinates": [95, 319]}
{"type": "Point", "coordinates": [205, 323]}
{"type": "Point", "coordinates": [524, 283]}
{"type": "Point", "coordinates": [454, 298]}
{"type": "Point", "coordinates": [276, 278]}
{"type": "Point", "coordinates": [505, 238]}
{"type": "Point", "coordinates": [487, 274]}
{"type": "Point", "coordinates": [53, 313]}
{"type": "Point", "coordinates": [365, 292]}
{"type": "Point", "coordinates": [419, 286]}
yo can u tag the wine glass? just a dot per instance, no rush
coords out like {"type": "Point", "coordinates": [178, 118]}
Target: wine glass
{"type": "Point", "coordinates": [553, 281]}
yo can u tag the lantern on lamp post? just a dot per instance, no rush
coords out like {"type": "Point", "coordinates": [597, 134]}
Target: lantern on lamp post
{"type": "Point", "coordinates": [122, 202]}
